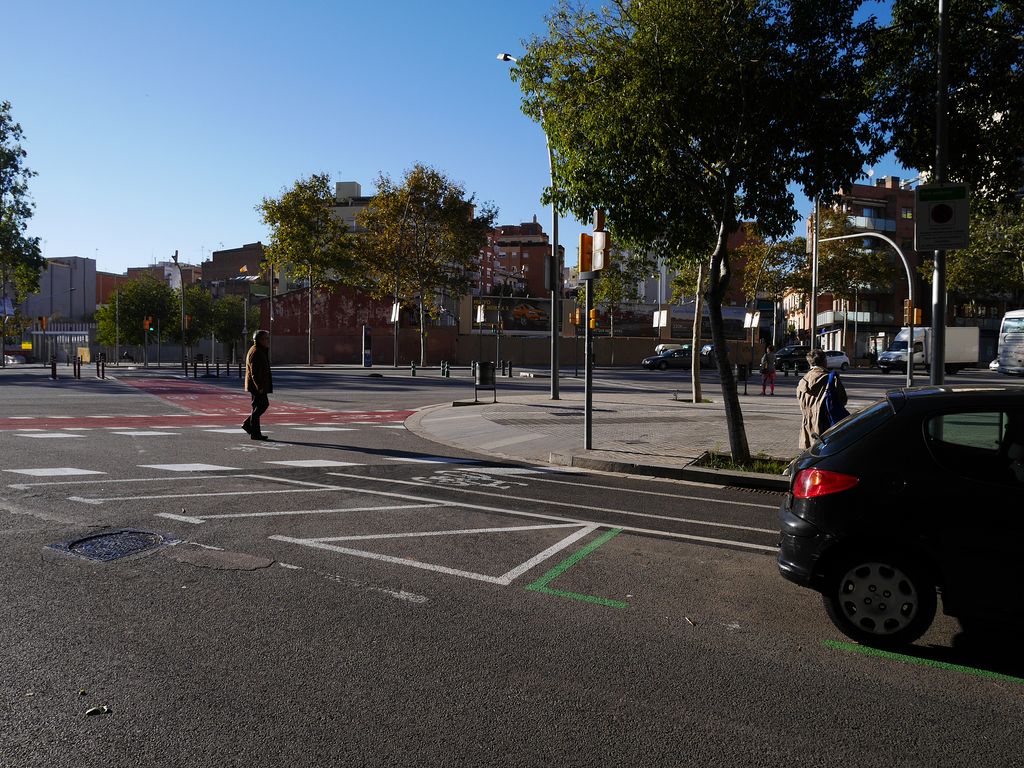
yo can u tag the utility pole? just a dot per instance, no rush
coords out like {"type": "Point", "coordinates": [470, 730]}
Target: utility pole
{"type": "Point", "coordinates": [814, 279]}
{"type": "Point", "coordinates": [937, 375]}
{"type": "Point", "coordinates": [181, 286]}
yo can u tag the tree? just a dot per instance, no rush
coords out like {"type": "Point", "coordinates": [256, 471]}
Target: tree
{"type": "Point", "coordinates": [681, 118]}
{"type": "Point", "coordinates": [305, 235]}
{"type": "Point", "coordinates": [20, 258]}
{"type": "Point", "coordinates": [229, 321]}
{"type": "Point", "coordinates": [846, 267]}
{"type": "Point", "coordinates": [992, 266]}
{"type": "Point", "coordinates": [619, 282]}
{"type": "Point", "coordinates": [985, 94]}
{"type": "Point", "coordinates": [122, 319]}
{"type": "Point", "coordinates": [422, 236]}
{"type": "Point", "coordinates": [772, 268]}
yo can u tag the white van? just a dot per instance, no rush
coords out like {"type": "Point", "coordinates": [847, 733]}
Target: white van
{"type": "Point", "coordinates": [1011, 343]}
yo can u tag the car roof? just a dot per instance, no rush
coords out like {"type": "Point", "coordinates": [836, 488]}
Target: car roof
{"type": "Point", "coordinates": [957, 395]}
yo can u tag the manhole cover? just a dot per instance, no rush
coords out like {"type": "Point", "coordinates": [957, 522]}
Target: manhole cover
{"type": "Point", "coordinates": [113, 545]}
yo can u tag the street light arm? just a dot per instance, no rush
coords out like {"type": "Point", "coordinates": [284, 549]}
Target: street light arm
{"type": "Point", "coordinates": [910, 290]}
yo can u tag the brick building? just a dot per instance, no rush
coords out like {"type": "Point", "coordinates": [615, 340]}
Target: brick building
{"type": "Point", "coordinates": [515, 253]}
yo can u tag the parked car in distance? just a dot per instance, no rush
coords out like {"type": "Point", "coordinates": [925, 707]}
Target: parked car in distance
{"type": "Point", "coordinates": [14, 360]}
{"type": "Point", "coordinates": [836, 359]}
{"type": "Point", "coordinates": [792, 358]}
{"type": "Point", "coordinates": [910, 496]}
{"type": "Point", "coordinates": [707, 356]}
{"type": "Point", "coordinates": [671, 358]}
{"type": "Point", "coordinates": [994, 365]}
{"type": "Point", "coordinates": [666, 347]}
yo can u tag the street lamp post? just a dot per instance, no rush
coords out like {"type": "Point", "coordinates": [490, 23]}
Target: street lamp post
{"type": "Point", "coordinates": [181, 287]}
{"type": "Point", "coordinates": [555, 266]}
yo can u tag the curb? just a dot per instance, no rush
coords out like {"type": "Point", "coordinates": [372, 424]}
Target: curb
{"type": "Point", "coordinates": [735, 479]}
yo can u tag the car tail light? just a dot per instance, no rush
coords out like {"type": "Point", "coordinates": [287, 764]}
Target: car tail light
{"type": "Point", "coordinates": [811, 483]}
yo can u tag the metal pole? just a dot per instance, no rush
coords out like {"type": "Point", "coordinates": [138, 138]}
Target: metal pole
{"type": "Point", "coordinates": [910, 290]}
{"type": "Point", "coordinates": [556, 275]}
{"type": "Point", "coordinates": [814, 280]}
{"type": "Point", "coordinates": [939, 269]}
{"type": "Point", "coordinates": [588, 370]}
{"type": "Point", "coordinates": [117, 326]}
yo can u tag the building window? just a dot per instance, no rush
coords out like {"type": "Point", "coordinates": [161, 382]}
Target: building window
{"type": "Point", "coordinates": [907, 213]}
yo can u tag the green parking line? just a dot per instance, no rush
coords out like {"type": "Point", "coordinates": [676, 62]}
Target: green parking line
{"type": "Point", "coordinates": [868, 651]}
{"type": "Point", "coordinates": [541, 584]}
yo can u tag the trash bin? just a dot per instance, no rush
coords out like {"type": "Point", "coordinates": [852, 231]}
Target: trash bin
{"type": "Point", "coordinates": [485, 375]}
{"type": "Point", "coordinates": [485, 379]}
{"type": "Point", "coordinates": [741, 371]}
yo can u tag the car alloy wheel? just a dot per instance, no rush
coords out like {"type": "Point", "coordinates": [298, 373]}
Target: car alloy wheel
{"type": "Point", "coordinates": [844, 366]}
{"type": "Point", "coordinates": [880, 601]}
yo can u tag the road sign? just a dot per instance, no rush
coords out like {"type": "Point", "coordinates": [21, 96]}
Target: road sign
{"type": "Point", "coordinates": [660, 318]}
{"type": "Point", "coordinates": [479, 313]}
{"type": "Point", "coordinates": [396, 308]}
{"type": "Point", "coordinates": [941, 217]}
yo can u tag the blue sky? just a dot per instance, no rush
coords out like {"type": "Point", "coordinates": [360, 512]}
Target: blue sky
{"type": "Point", "coordinates": [156, 127]}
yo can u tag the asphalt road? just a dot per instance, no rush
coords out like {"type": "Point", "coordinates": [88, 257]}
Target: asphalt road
{"type": "Point", "coordinates": [350, 594]}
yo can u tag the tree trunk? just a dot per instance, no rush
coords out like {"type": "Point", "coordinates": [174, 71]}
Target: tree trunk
{"type": "Point", "coordinates": [718, 283]}
{"type": "Point", "coordinates": [423, 336]}
{"type": "Point", "coordinates": [309, 321]}
{"type": "Point", "coordinates": [698, 317]}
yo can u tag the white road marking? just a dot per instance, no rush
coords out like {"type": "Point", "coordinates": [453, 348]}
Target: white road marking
{"type": "Point", "coordinates": [145, 433]}
{"type": "Point", "coordinates": [432, 460]}
{"type": "Point", "coordinates": [226, 430]}
{"type": "Point", "coordinates": [102, 500]}
{"type": "Point", "coordinates": [65, 435]}
{"type": "Point", "coordinates": [55, 471]}
{"type": "Point", "coordinates": [189, 467]}
{"type": "Point", "coordinates": [291, 567]}
{"type": "Point", "coordinates": [24, 486]}
{"type": "Point", "coordinates": [542, 516]}
{"type": "Point", "coordinates": [179, 518]}
{"type": "Point", "coordinates": [519, 570]}
{"type": "Point", "coordinates": [29, 429]}
{"type": "Point", "coordinates": [655, 493]}
{"type": "Point", "coordinates": [459, 532]}
{"type": "Point", "coordinates": [315, 463]}
{"type": "Point", "coordinates": [323, 429]}
{"type": "Point", "coordinates": [575, 505]}
{"type": "Point", "coordinates": [321, 511]}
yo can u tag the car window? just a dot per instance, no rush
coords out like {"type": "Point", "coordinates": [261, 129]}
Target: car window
{"type": "Point", "coordinates": [982, 431]}
{"type": "Point", "coordinates": [853, 428]}
{"type": "Point", "coordinates": [982, 445]}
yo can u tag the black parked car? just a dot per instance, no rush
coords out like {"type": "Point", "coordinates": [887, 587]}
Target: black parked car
{"type": "Point", "coordinates": [792, 358]}
{"type": "Point", "coordinates": [670, 358]}
{"type": "Point", "coordinates": [919, 492]}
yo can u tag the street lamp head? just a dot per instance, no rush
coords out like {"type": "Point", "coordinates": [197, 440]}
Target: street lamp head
{"type": "Point", "coordinates": [507, 57]}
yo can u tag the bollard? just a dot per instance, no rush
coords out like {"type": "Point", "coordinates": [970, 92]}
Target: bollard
{"type": "Point", "coordinates": [53, 367]}
{"type": "Point", "coordinates": [195, 369]}
{"type": "Point", "coordinates": [78, 367]}
{"type": "Point", "coordinates": [412, 368]}
{"type": "Point", "coordinates": [218, 369]}
{"type": "Point", "coordinates": [510, 369]}
{"type": "Point", "coordinates": [240, 370]}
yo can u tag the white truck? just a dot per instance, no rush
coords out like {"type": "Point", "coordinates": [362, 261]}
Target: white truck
{"type": "Point", "coordinates": [961, 350]}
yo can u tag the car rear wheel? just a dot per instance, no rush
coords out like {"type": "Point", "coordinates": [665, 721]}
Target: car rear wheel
{"type": "Point", "coordinates": [844, 366]}
{"type": "Point", "coordinates": [880, 600]}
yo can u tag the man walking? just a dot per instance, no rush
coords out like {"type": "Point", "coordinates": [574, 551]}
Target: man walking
{"type": "Point", "coordinates": [258, 382]}
{"type": "Point", "coordinates": [768, 369]}
{"type": "Point", "coordinates": [810, 394]}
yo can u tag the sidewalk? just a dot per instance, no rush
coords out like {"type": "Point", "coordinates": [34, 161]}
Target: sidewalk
{"type": "Point", "coordinates": [633, 432]}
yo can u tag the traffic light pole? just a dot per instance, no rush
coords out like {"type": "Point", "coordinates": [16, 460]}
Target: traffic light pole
{"type": "Point", "coordinates": [588, 369]}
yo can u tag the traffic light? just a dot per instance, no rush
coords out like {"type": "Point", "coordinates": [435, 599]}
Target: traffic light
{"type": "Point", "coordinates": [42, 322]}
{"type": "Point", "coordinates": [593, 318]}
{"type": "Point", "coordinates": [188, 320]}
{"type": "Point", "coordinates": [586, 252]}
{"type": "Point", "coordinates": [906, 311]}
{"type": "Point", "coordinates": [146, 323]}
{"type": "Point", "coordinates": [917, 316]}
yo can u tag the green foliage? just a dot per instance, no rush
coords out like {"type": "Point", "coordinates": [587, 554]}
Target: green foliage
{"type": "Point", "coordinates": [422, 236]}
{"type": "Point", "coordinates": [772, 268]}
{"type": "Point", "coordinates": [682, 117]}
{"type": "Point", "coordinates": [229, 320]}
{"type": "Point", "coordinates": [619, 281]}
{"type": "Point", "coordinates": [993, 265]}
{"type": "Point", "coordinates": [305, 235]}
{"type": "Point", "coordinates": [846, 266]}
{"type": "Point", "coordinates": [20, 258]}
{"type": "Point", "coordinates": [130, 305]}
{"type": "Point", "coordinates": [985, 95]}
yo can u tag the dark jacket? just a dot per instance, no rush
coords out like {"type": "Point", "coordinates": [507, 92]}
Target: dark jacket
{"type": "Point", "coordinates": [257, 371]}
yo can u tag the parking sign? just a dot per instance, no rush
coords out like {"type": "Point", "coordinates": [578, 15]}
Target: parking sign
{"type": "Point", "coordinates": [941, 217]}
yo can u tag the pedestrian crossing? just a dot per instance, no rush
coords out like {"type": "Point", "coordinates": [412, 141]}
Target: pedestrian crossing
{"type": "Point", "coordinates": [171, 430]}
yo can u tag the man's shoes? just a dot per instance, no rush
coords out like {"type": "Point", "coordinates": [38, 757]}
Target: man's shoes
{"type": "Point", "coordinates": [258, 437]}
{"type": "Point", "coordinates": [246, 427]}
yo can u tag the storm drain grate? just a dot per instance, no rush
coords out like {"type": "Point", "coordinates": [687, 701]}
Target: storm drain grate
{"type": "Point", "coordinates": [113, 545]}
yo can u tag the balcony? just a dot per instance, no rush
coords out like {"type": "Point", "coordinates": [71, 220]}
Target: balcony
{"type": "Point", "coordinates": [874, 224]}
{"type": "Point", "coordinates": [836, 318]}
